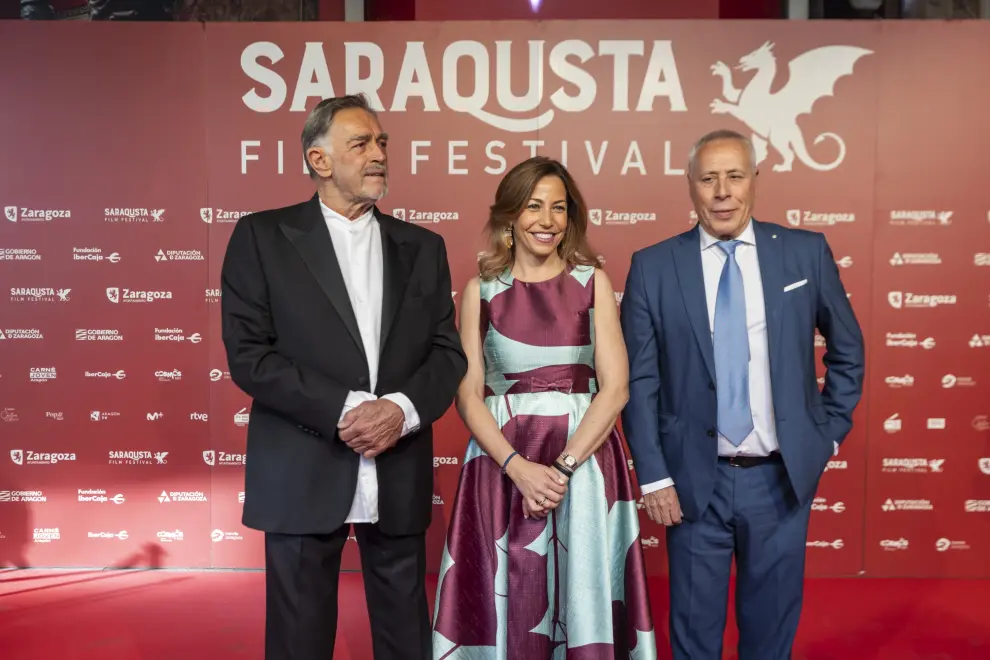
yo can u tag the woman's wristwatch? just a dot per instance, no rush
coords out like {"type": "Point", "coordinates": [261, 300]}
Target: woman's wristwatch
{"type": "Point", "coordinates": [566, 465]}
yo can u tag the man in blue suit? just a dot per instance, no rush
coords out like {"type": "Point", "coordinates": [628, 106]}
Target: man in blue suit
{"type": "Point", "coordinates": [727, 427]}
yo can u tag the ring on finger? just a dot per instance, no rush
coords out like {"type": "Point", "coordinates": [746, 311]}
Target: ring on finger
{"type": "Point", "coordinates": [543, 501]}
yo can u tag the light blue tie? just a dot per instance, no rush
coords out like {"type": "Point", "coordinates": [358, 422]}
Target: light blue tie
{"type": "Point", "coordinates": [735, 419]}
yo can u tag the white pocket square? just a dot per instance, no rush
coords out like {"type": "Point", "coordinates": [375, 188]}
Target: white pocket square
{"type": "Point", "coordinates": [791, 287]}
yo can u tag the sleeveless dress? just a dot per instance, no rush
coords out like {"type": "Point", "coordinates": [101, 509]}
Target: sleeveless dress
{"type": "Point", "coordinates": [571, 586]}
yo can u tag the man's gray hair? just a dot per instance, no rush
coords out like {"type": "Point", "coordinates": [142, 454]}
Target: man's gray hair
{"type": "Point", "coordinates": [721, 134]}
{"type": "Point", "coordinates": [321, 117]}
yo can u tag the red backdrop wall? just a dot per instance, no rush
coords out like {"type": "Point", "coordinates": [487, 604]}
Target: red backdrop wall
{"type": "Point", "coordinates": [130, 151]}
{"type": "Point", "coordinates": [454, 10]}
{"type": "Point", "coordinates": [489, 10]}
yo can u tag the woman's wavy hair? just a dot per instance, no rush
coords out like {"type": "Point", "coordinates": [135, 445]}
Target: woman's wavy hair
{"type": "Point", "coordinates": [513, 194]}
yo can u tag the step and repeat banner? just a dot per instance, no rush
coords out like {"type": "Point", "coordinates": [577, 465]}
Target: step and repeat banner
{"type": "Point", "coordinates": [130, 151]}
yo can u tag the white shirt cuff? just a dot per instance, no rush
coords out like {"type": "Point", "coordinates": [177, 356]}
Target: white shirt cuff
{"type": "Point", "coordinates": [411, 424]}
{"type": "Point", "coordinates": [656, 485]}
{"type": "Point", "coordinates": [354, 399]}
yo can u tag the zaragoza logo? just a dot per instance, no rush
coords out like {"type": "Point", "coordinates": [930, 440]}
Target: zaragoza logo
{"type": "Point", "coordinates": [773, 116]}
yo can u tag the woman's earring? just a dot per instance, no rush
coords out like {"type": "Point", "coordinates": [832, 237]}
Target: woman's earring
{"type": "Point", "coordinates": [508, 238]}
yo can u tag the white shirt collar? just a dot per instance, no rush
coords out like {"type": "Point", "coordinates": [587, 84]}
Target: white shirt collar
{"type": "Point", "coordinates": [748, 236]}
{"type": "Point", "coordinates": [358, 224]}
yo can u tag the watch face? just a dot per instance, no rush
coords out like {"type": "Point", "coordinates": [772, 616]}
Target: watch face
{"type": "Point", "coordinates": [569, 461]}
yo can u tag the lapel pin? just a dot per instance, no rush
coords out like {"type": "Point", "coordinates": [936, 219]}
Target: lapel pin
{"type": "Point", "coordinates": [773, 235]}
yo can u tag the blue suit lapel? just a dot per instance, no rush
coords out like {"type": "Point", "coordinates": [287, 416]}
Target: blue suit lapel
{"type": "Point", "coordinates": [687, 260]}
{"type": "Point", "coordinates": [770, 248]}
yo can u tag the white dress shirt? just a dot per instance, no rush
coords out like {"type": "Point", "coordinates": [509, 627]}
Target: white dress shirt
{"type": "Point", "coordinates": [358, 246]}
{"type": "Point", "coordinates": [762, 440]}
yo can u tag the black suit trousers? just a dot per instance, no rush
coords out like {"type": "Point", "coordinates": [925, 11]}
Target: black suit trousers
{"type": "Point", "coordinates": [301, 585]}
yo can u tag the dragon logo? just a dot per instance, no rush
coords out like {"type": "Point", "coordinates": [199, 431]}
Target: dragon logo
{"type": "Point", "coordinates": [773, 116]}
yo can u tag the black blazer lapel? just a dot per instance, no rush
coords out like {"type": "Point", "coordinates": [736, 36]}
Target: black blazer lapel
{"type": "Point", "coordinates": [687, 260]}
{"type": "Point", "coordinates": [397, 262]}
{"type": "Point", "coordinates": [770, 249]}
{"type": "Point", "coordinates": [310, 236]}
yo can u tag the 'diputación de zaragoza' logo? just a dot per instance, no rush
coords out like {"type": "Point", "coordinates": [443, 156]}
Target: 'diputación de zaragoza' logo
{"type": "Point", "coordinates": [118, 295]}
{"type": "Point", "coordinates": [20, 334]}
{"type": "Point", "coordinates": [170, 496]}
{"type": "Point", "coordinates": [179, 255]}
{"type": "Point", "coordinates": [24, 214]}
{"type": "Point", "coordinates": [771, 117]}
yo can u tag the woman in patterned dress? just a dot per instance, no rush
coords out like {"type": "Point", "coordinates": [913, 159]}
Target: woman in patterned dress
{"type": "Point", "coordinates": [543, 558]}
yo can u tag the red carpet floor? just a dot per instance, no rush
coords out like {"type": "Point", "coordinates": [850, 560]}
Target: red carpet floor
{"type": "Point", "coordinates": [215, 615]}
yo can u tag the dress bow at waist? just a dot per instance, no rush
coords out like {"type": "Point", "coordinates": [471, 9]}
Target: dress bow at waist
{"type": "Point", "coordinates": [564, 385]}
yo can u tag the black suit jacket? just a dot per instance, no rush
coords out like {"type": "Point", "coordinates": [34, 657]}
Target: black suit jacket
{"type": "Point", "coordinates": [293, 345]}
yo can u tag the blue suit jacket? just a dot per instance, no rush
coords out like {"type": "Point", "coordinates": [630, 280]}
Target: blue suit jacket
{"type": "Point", "coordinates": [671, 420]}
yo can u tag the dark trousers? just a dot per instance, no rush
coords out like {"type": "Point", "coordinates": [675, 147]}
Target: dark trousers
{"type": "Point", "coordinates": [301, 594]}
{"type": "Point", "coordinates": [754, 516]}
